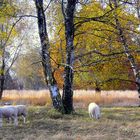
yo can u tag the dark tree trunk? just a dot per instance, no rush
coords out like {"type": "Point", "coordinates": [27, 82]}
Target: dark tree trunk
{"type": "Point", "coordinates": [2, 67]}
{"type": "Point", "coordinates": [46, 62]}
{"type": "Point", "coordinates": [130, 57]}
{"type": "Point", "coordinates": [2, 77]}
{"type": "Point", "coordinates": [69, 35]}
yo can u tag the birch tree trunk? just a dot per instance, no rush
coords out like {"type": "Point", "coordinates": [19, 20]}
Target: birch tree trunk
{"type": "Point", "coordinates": [130, 57]}
{"type": "Point", "coordinates": [46, 62]}
{"type": "Point", "coordinates": [68, 14]}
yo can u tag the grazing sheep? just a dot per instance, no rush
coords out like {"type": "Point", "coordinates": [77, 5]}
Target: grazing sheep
{"type": "Point", "coordinates": [12, 112]}
{"type": "Point", "coordinates": [22, 111]}
{"type": "Point", "coordinates": [9, 112]}
{"type": "Point", "coordinates": [94, 111]}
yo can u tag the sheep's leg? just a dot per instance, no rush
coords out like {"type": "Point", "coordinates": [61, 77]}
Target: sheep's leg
{"type": "Point", "coordinates": [10, 120]}
{"type": "Point", "coordinates": [93, 114]}
{"type": "Point", "coordinates": [16, 121]}
{"type": "Point", "coordinates": [90, 115]}
{"type": "Point", "coordinates": [24, 119]}
{"type": "Point", "coordinates": [0, 122]}
{"type": "Point", "coordinates": [96, 115]}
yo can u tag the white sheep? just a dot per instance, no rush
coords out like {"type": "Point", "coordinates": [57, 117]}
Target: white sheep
{"type": "Point", "coordinates": [12, 112]}
{"type": "Point", "coordinates": [9, 112]}
{"type": "Point", "coordinates": [94, 111]}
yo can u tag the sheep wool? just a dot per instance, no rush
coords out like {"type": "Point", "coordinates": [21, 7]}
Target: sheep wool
{"type": "Point", "coordinates": [9, 112]}
{"type": "Point", "coordinates": [12, 112]}
{"type": "Point", "coordinates": [94, 111]}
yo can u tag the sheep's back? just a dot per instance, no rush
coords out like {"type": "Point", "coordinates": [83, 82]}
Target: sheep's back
{"type": "Point", "coordinates": [8, 111]}
{"type": "Point", "coordinates": [92, 106]}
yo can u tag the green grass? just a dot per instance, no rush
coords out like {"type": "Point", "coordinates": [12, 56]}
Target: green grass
{"type": "Point", "coordinates": [117, 123]}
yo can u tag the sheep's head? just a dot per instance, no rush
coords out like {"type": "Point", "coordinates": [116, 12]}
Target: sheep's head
{"type": "Point", "coordinates": [97, 114]}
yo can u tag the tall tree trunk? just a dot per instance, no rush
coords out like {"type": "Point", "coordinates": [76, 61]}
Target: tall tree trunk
{"type": "Point", "coordinates": [2, 67]}
{"type": "Point", "coordinates": [69, 35]}
{"type": "Point", "coordinates": [130, 57]}
{"type": "Point", "coordinates": [46, 62]}
{"type": "Point", "coordinates": [2, 77]}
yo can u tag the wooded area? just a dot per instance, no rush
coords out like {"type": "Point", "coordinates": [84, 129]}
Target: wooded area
{"type": "Point", "coordinates": [69, 44]}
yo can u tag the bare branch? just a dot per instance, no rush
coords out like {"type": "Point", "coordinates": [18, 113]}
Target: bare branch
{"type": "Point", "coordinates": [10, 32]}
{"type": "Point", "coordinates": [24, 16]}
{"type": "Point", "coordinates": [103, 54]}
{"type": "Point", "coordinates": [48, 5]}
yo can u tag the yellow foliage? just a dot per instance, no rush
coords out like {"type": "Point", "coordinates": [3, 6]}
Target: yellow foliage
{"type": "Point", "coordinates": [7, 32]}
{"type": "Point", "coordinates": [99, 36]}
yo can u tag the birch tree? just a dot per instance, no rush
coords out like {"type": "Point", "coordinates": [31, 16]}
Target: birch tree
{"type": "Point", "coordinates": [67, 97]}
{"type": "Point", "coordinates": [46, 59]}
{"type": "Point", "coordinates": [7, 33]}
{"type": "Point", "coordinates": [123, 40]}
{"type": "Point", "coordinates": [68, 13]}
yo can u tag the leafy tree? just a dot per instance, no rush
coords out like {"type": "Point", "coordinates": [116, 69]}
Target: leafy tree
{"type": "Point", "coordinates": [7, 33]}
{"type": "Point", "coordinates": [99, 59]}
{"type": "Point", "coordinates": [101, 42]}
{"type": "Point", "coordinates": [125, 45]}
{"type": "Point", "coordinates": [46, 59]}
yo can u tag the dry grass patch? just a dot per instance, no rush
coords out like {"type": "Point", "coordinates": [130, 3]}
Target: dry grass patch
{"type": "Point", "coordinates": [81, 97]}
{"type": "Point", "coordinates": [116, 98]}
{"type": "Point", "coordinates": [29, 97]}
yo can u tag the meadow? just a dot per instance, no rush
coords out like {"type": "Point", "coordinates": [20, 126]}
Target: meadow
{"type": "Point", "coordinates": [120, 117]}
{"type": "Point", "coordinates": [43, 123]}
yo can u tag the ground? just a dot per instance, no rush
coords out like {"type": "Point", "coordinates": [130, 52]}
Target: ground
{"type": "Point", "coordinates": [44, 123]}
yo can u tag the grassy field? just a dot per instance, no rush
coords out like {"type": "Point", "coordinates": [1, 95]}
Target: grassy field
{"type": "Point", "coordinates": [43, 123]}
{"type": "Point", "coordinates": [120, 117]}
